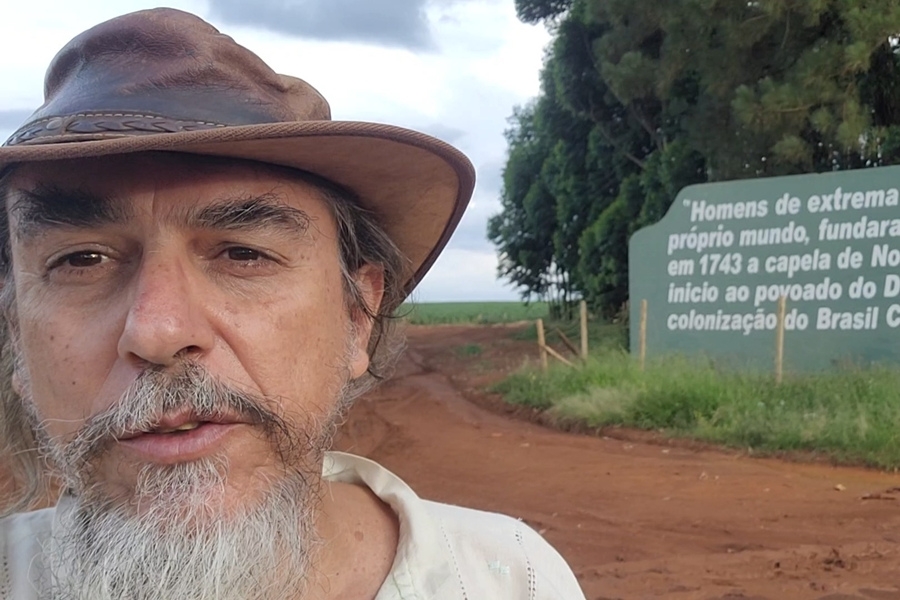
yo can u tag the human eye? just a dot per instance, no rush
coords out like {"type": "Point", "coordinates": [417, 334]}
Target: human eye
{"type": "Point", "coordinates": [244, 254]}
{"type": "Point", "coordinates": [80, 260]}
{"type": "Point", "coordinates": [79, 265]}
{"type": "Point", "coordinates": [242, 260]}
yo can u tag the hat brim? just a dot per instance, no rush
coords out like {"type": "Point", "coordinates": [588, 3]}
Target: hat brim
{"type": "Point", "coordinates": [417, 186]}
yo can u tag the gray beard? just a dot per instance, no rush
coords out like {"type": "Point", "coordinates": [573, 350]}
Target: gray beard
{"type": "Point", "coordinates": [173, 537]}
{"type": "Point", "coordinates": [182, 545]}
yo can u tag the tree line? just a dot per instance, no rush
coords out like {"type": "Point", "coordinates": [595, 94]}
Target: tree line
{"type": "Point", "coordinates": [640, 98]}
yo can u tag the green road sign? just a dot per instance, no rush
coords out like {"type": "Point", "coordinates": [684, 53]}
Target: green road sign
{"type": "Point", "coordinates": [713, 269]}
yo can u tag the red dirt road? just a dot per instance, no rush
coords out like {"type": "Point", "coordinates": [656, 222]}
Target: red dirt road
{"type": "Point", "coordinates": [634, 519]}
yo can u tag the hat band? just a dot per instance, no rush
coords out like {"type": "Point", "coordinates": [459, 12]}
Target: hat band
{"type": "Point", "coordinates": [99, 125]}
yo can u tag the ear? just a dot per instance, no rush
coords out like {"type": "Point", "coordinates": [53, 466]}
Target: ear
{"type": "Point", "coordinates": [370, 283]}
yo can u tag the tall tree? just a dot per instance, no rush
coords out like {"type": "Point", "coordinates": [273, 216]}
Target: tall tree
{"type": "Point", "coordinates": [640, 98]}
{"type": "Point", "coordinates": [523, 231]}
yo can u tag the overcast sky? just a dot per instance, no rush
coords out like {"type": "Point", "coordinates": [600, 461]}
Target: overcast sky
{"type": "Point", "coordinates": [451, 68]}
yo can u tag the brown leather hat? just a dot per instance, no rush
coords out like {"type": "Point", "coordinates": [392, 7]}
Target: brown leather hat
{"type": "Point", "coordinates": [165, 80]}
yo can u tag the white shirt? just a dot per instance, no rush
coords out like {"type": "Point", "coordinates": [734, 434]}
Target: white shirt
{"type": "Point", "coordinates": [445, 552]}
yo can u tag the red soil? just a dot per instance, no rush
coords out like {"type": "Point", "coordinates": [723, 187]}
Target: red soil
{"type": "Point", "coordinates": [635, 517]}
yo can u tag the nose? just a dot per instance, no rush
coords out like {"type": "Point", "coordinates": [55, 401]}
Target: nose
{"type": "Point", "coordinates": [165, 322]}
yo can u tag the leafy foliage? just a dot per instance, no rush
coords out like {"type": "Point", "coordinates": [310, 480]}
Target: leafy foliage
{"type": "Point", "coordinates": [535, 11]}
{"type": "Point", "coordinates": [641, 98]}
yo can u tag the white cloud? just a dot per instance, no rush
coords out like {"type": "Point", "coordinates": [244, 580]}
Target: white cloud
{"type": "Point", "coordinates": [484, 62]}
{"type": "Point", "coordinates": [401, 23]}
{"type": "Point", "coordinates": [463, 275]}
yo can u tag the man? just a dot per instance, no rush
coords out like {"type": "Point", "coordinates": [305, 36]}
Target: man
{"type": "Point", "coordinates": [199, 272]}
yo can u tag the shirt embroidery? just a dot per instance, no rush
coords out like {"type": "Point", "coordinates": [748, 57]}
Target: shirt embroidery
{"type": "Point", "coordinates": [498, 568]}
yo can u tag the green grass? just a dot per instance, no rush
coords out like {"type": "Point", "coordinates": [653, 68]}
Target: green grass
{"type": "Point", "coordinates": [850, 415]}
{"type": "Point", "coordinates": [469, 350]}
{"type": "Point", "coordinates": [482, 313]}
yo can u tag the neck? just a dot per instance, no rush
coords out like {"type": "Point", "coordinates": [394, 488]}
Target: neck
{"type": "Point", "coordinates": [359, 536]}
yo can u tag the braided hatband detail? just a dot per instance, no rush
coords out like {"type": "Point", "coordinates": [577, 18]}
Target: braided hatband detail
{"type": "Point", "coordinates": [56, 129]}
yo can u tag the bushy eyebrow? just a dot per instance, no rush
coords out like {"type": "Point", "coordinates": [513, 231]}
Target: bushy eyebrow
{"type": "Point", "coordinates": [49, 206]}
{"type": "Point", "coordinates": [46, 207]}
{"type": "Point", "coordinates": [248, 213]}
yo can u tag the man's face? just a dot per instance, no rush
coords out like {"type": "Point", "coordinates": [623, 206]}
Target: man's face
{"type": "Point", "coordinates": [165, 265]}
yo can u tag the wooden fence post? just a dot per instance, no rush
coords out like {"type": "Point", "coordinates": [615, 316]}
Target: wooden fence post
{"type": "Point", "coordinates": [643, 348]}
{"type": "Point", "coordinates": [542, 343]}
{"type": "Point", "coordinates": [779, 341]}
{"type": "Point", "coordinates": [584, 329]}
{"type": "Point", "coordinates": [567, 342]}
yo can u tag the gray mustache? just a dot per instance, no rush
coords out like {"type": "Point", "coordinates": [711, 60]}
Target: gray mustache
{"type": "Point", "coordinates": [161, 391]}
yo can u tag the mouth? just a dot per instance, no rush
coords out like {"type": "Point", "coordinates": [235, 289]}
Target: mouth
{"type": "Point", "coordinates": [181, 438]}
{"type": "Point", "coordinates": [164, 429]}
{"type": "Point", "coordinates": [189, 426]}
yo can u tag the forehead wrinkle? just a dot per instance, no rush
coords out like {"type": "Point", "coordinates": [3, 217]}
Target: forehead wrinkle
{"type": "Point", "coordinates": [48, 206]}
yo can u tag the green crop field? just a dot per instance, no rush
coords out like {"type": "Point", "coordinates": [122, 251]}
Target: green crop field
{"type": "Point", "coordinates": [437, 313]}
